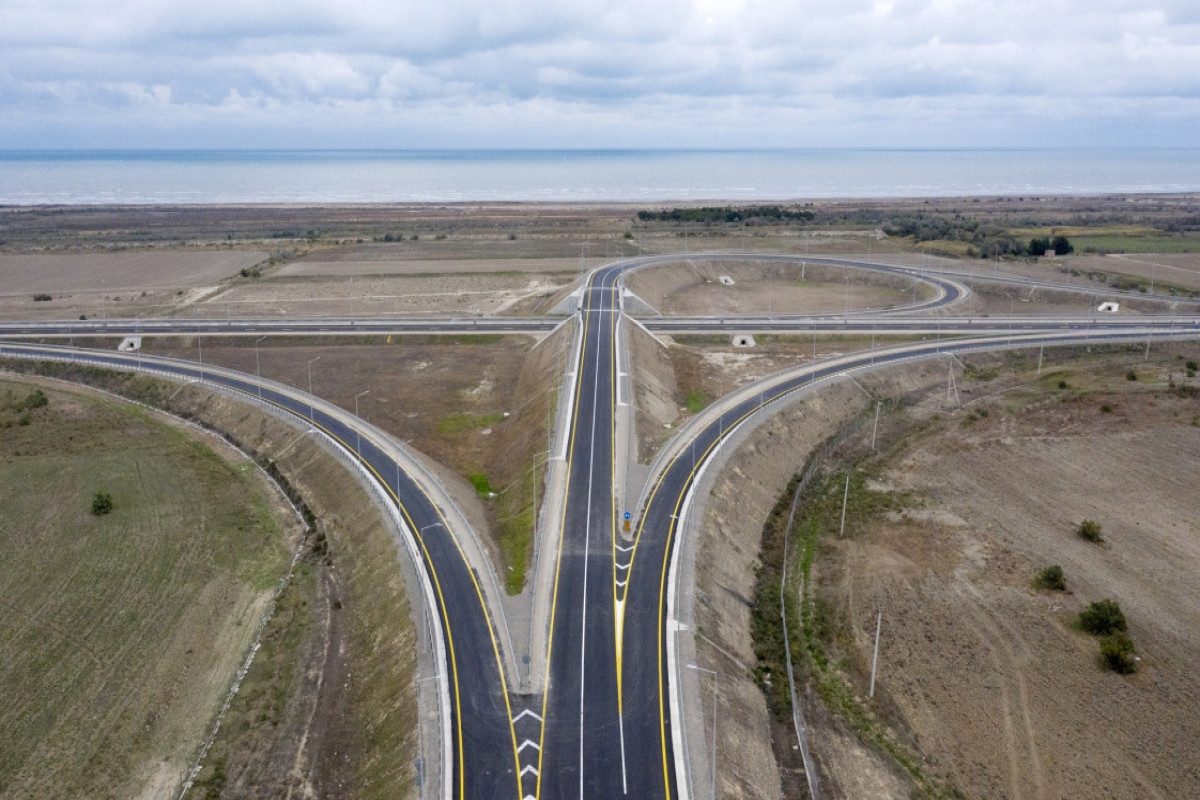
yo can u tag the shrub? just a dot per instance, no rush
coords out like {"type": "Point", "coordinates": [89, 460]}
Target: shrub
{"type": "Point", "coordinates": [1102, 618]}
{"type": "Point", "coordinates": [1131, 376]}
{"type": "Point", "coordinates": [1192, 366]}
{"type": "Point", "coordinates": [1090, 530]}
{"type": "Point", "coordinates": [1051, 578]}
{"type": "Point", "coordinates": [1117, 651]}
{"type": "Point", "coordinates": [1106, 409]}
{"type": "Point", "coordinates": [35, 399]}
{"type": "Point", "coordinates": [102, 503]}
{"type": "Point", "coordinates": [41, 298]}
{"type": "Point", "coordinates": [1062, 384]}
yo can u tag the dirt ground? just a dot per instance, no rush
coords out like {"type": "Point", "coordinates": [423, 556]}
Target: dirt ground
{"type": "Point", "coordinates": [694, 288]}
{"type": "Point", "coordinates": [1182, 269]}
{"type": "Point", "coordinates": [468, 293]}
{"type": "Point", "coordinates": [329, 706]}
{"type": "Point", "coordinates": [480, 405]}
{"type": "Point", "coordinates": [988, 676]}
{"type": "Point", "coordinates": [115, 284]}
{"type": "Point", "coordinates": [704, 368]}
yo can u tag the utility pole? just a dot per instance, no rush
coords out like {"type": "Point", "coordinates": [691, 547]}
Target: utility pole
{"type": "Point", "coordinates": [875, 658]}
{"type": "Point", "coordinates": [310, 405]}
{"type": "Point", "coordinates": [257, 367]}
{"type": "Point", "coordinates": [878, 405]}
{"type": "Point", "coordinates": [357, 426]}
{"type": "Point", "coordinates": [845, 497]}
{"type": "Point", "coordinates": [713, 755]}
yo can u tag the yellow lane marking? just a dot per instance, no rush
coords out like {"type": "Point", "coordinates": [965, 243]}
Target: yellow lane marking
{"type": "Point", "coordinates": [441, 599]}
{"type": "Point", "coordinates": [562, 527]}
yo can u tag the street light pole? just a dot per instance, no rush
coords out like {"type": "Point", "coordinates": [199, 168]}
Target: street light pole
{"type": "Point", "coordinates": [311, 361]}
{"type": "Point", "coordinates": [357, 426]}
{"type": "Point", "coordinates": [257, 368]}
{"type": "Point", "coordinates": [712, 786]}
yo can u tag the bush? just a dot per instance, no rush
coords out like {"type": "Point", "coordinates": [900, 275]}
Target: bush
{"type": "Point", "coordinates": [1090, 530]}
{"type": "Point", "coordinates": [1106, 409]}
{"type": "Point", "coordinates": [1117, 651]}
{"type": "Point", "coordinates": [35, 399]}
{"type": "Point", "coordinates": [1131, 376]}
{"type": "Point", "coordinates": [1192, 366]}
{"type": "Point", "coordinates": [1051, 578]}
{"type": "Point", "coordinates": [42, 298]}
{"type": "Point", "coordinates": [1102, 618]}
{"type": "Point", "coordinates": [102, 503]}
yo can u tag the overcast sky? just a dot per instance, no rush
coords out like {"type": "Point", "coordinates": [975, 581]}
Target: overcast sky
{"type": "Point", "coordinates": [586, 73]}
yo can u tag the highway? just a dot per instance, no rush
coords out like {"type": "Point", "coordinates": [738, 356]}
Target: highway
{"type": "Point", "coordinates": [601, 724]}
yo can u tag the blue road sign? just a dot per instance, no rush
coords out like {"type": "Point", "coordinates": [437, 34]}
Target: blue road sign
{"type": "Point", "coordinates": [628, 515]}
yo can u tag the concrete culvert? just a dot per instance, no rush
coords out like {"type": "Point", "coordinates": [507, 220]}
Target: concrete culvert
{"type": "Point", "coordinates": [725, 279]}
{"type": "Point", "coordinates": [743, 340]}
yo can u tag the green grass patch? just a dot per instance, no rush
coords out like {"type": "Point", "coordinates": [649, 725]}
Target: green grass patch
{"type": "Point", "coordinates": [1156, 243]}
{"type": "Point", "coordinates": [515, 528]}
{"type": "Point", "coordinates": [482, 487]}
{"type": "Point", "coordinates": [696, 400]}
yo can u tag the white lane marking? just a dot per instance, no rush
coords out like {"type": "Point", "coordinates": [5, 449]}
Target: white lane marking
{"type": "Point", "coordinates": [622, 583]}
{"type": "Point", "coordinates": [625, 549]}
{"type": "Point", "coordinates": [529, 743]}
{"type": "Point", "coordinates": [528, 768]}
{"type": "Point", "coordinates": [624, 778]}
{"type": "Point", "coordinates": [587, 538]}
{"type": "Point", "coordinates": [526, 713]}
{"type": "Point", "coordinates": [622, 566]}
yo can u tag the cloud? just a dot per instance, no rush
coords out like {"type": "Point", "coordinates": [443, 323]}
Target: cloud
{"type": "Point", "coordinates": [751, 72]}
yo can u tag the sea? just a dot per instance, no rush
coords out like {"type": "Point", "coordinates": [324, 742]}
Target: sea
{"type": "Point", "coordinates": [579, 176]}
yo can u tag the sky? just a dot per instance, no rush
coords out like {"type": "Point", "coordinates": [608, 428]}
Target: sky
{"type": "Point", "coordinates": [590, 74]}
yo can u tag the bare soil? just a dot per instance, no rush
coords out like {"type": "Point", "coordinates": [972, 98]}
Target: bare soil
{"type": "Point", "coordinates": [469, 293]}
{"type": "Point", "coordinates": [115, 284]}
{"type": "Point", "coordinates": [988, 676]}
{"type": "Point", "coordinates": [750, 481]}
{"type": "Point", "coordinates": [1182, 269]}
{"type": "Point", "coordinates": [695, 288]}
{"type": "Point", "coordinates": [479, 405]}
{"type": "Point", "coordinates": [329, 708]}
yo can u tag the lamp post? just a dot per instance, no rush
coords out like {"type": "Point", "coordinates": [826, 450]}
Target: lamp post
{"type": "Point", "coordinates": [712, 786]}
{"type": "Point", "coordinates": [357, 426]}
{"type": "Point", "coordinates": [257, 368]}
{"type": "Point", "coordinates": [311, 361]}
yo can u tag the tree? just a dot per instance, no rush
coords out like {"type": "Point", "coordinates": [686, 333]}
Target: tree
{"type": "Point", "coordinates": [1102, 618]}
{"type": "Point", "coordinates": [1051, 578]}
{"type": "Point", "coordinates": [1117, 651]}
{"type": "Point", "coordinates": [102, 503]}
{"type": "Point", "coordinates": [1062, 246]}
{"type": "Point", "coordinates": [1038, 247]}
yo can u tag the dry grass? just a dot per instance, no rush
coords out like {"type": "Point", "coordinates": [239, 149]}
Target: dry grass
{"type": "Point", "coordinates": [121, 633]}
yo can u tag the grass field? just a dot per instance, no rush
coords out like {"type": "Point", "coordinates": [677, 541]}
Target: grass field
{"type": "Point", "coordinates": [121, 633]}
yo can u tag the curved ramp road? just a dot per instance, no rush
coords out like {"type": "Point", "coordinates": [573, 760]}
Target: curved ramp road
{"type": "Point", "coordinates": [480, 735]}
{"type": "Point", "coordinates": [604, 723]}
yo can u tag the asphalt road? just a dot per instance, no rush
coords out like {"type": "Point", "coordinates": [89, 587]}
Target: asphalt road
{"type": "Point", "coordinates": [602, 727]}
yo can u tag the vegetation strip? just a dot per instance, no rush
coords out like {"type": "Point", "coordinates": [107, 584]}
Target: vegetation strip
{"type": "Point", "coordinates": [810, 622]}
